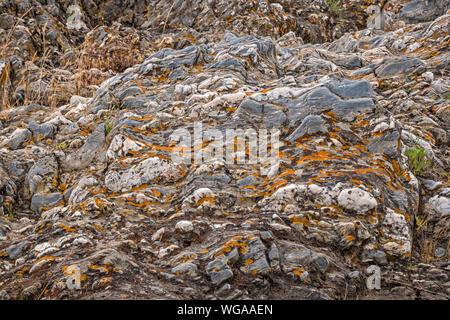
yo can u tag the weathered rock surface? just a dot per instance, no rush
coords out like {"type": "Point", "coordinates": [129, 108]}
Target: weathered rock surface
{"type": "Point", "coordinates": [89, 185]}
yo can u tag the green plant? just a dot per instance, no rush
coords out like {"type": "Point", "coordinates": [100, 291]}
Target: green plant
{"type": "Point", "coordinates": [334, 5]}
{"type": "Point", "coordinates": [10, 212]}
{"type": "Point", "coordinates": [418, 159]}
{"type": "Point", "coordinates": [109, 125]}
{"type": "Point", "coordinates": [420, 223]}
{"type": "Point", "coordinates": [61, 146]}
{"type": "Point", "coordinates": [410, 267]}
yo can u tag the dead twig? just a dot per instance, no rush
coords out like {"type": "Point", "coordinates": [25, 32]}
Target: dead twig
{"type": "Point", "coordinates": [420, 289]}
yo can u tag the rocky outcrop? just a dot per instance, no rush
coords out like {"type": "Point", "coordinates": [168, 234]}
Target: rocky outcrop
{"type": "Point", "coordinates": [423, 11]}
{"type": "Point", "coordinates": [356, 173]}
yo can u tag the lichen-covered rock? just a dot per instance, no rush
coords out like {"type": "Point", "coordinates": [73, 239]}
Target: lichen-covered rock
{"type": "Point", "coordinates": [93, 149]}
{"type": "Point", "coordinates": [223, 149]}
{"type": "Point", "coordinates": [357, 200]}
{"type": "Point", "coordinates": [44, 201]}
{"type": "Point", "coordinates": [422, 11]}
{"type": "Point", "coordinates": [17, 138]}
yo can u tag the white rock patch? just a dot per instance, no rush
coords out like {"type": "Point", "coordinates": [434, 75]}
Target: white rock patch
{"type": "Point", "coordinates": [356, 199]}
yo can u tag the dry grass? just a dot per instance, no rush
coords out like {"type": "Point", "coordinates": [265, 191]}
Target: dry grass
{"type": "Point", "coordinates": [5, 75]}
{"type": "Point", "coordinates": [428, 237]}
{"type": "Point", "coordinates": [95, 64]}
{"type": "Point", "coordinates": [25, 90]}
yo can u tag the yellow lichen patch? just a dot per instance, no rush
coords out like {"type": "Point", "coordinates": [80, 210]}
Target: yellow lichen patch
{"type": "Point", "coordinates": [355, 181]}
{"type": "Point", "coordinates": [300, 220]}
{"type": "Point", "coordinates": [100, 268]}
{"type": "Point", "coordinates": [105, 280]}
{"type": "Point", "coordinates": [43, 259]}
{"type": "Point", "coordinates": [349, 237]}
{"type": "Point", "coordinates": [98, 227]}
{"type": "Point", "coordinates": [247, 262]}
{"type": "Point", "coordinates": [286, 172]}
{"type": "Point", "coordinates": [203, 200]}
{"type": "Point", "coordinates": [320, 156]}
{"type": "Point", "coordinates": [141, 187]}
{"type": "Point", "coordinates": [67, 229]}
{"type": "Point", "coordinates": [366, 170]}
{"type": "Point", "coordinates": [278, 184]}
{"type": "Point", "coordinates": [362, 123]}
{"type": "Point", "coordinates": [403, 214]}
{"type": "Point", "coordinates": [299, 273]}
{"type": "Point", "coordinates": [397, 168]}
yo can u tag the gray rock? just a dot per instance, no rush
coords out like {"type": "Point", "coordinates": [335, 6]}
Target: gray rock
{"type": "Point", "coordinates": [380, 257]}
{"type": "Point", "coordinates": [17, 168]}
{"type": "Point", "coordinates": [422, 11]}
{"type": "Point", "coordinates": [4, 295]}
{"type": "Point", "coordinates": [185, 268]}
{"type": "Point", "coordinates": [16, 251]}
{"type": "Point", "coordinates": [438, 207]}
{"type": "Point", "coordinates": [43, 201]}
{"type": "Point", "coordinates": [269, 114]}
{"type": "Point", "coordinates": [387, 144]}
{"type": "Point", "coordinates": [297, 258]}
{"type": "Point", "coordinates": [430, 184]}
{"type": "Point", "coordinates": [17, 138]}
{"type": "Point", "coordinates": [315, 102]}
{"type": "Point", "coordinates": [130, 91]}
{"type": "Point", "coordinates": [41, 131]}
{"type": "Point", "coordinates": [398, 66]}
{"type": "Point", "coordinates": [44, 171]}
{"type": "Point", "coordinates": [350, 89]}
{"type": "Point", "coordinates": [255, 256]}
{"type": "Point", "coordinates": [218, 271]}
{"type": "Point", "coordinates": [353, 274]}
{"type": "Point", "coordinates": [250, 180]}
{"type": "Point", "coordinates": [93, 149]}
{"type": "Point", "coordinates": [311, 125]}
{"type": "Point", "coordinates": [321, 263]}
{"type": "Point", "coordinates": [348, 110]}
{"type": "Point", "coordinates": [217, 277]}
{"type": "Point", "coordinates": [348, 62]}
{"type": "Point", "coordinates": [440, 252]}
{"type": "Point", "coordinates": [217, 264]}
{"type": "Point", "coordinates": [355, 199]}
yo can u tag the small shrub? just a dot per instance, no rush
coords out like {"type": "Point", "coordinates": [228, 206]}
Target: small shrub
{"type": "Point", "coordinates": [109, 125]}
{"type": "Point", "coordinates": [420, 223]}
{"type": "Point", "coordinates": [417, 159]}
{"type": "Point", "coordinates": [61, 146]}
{"type": "Point", "coordinates": [334, 5]}
{"type": "Point", "coordinates": [10, 212]}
